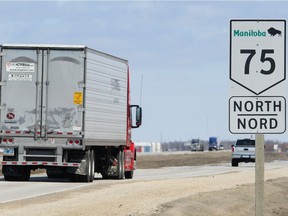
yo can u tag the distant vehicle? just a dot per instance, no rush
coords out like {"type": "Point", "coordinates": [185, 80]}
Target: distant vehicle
{"type": "Point", "coordinates": [243, 151]}
{"type": "Point", "coordinates": [221, 147]}
{"type": "Point", "coordinates": [196, 145]}
{"type": "Point", "coordinates": [213, 144]}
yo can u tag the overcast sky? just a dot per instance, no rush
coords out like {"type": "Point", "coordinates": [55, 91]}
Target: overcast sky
{"type": "Point", "coordinates": [180, 48]}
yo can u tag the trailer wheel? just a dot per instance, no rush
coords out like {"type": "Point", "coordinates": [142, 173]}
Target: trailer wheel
{"type": "Point", "coordinates": [129, 174]}
{"type": "Point", "coordinates": [115, 170]}
{"type": "Point", "coordinates": [88, 169]}
{"type": "Point", "coordinates": [92, 160]}
{"type": "Point", "coordinates": [121, 170]}
{"type": "Point", "coordinates": [8, 173]}
{"type": "Point", "coordinates": [25, 174]}
{"type": "Point", "coordinates": [16, 173]}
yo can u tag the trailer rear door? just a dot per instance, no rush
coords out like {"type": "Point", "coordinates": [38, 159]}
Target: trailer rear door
{"type": "Point", "coordinates": [41, 91]}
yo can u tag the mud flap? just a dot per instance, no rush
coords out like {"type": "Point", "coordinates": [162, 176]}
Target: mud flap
{"type": "Point", "coordinates": [85, 172]}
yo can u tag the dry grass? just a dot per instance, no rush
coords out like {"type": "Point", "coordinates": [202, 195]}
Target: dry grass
{"type": "Point", "coordinates": [195, 159]}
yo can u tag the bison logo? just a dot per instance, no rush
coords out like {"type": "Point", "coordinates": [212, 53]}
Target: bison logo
{"type": "Point", "coordinates": [272, 31]}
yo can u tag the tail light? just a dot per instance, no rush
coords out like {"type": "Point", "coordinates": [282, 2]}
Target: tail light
{"type": "Point", "coordinates": [232, 148]}
{"type": "Point", "coordinates": [7, 140]}
{"type": "Point", "coordinates": [73, 141]}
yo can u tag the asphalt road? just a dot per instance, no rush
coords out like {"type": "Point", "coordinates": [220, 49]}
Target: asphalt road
{"type": "Point", "coordinates": [40, 185]}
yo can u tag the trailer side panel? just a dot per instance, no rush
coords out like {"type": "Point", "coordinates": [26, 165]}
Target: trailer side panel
{"type": "Point", "coordinates": [105, 100]}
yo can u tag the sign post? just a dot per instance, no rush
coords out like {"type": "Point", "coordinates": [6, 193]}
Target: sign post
{"type": "Point", "coordinates": [259, 175]}
{"type": "Point", "coordinates": [257, 72]}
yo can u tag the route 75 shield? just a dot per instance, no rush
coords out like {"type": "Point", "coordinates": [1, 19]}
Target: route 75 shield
{"type": "Point", "coordinates": [257, 54]}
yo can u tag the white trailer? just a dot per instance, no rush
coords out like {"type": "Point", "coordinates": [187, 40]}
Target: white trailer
{"type": "Point", "coordinates": [66, 109]}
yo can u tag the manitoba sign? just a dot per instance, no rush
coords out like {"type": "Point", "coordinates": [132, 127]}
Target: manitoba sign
{"type": "Point", "coordinates": [257, 66]}
{"type": "Point", "coordinates": [257, 53]}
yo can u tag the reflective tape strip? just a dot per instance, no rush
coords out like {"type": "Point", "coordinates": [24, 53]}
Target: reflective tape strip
{"type": "Point", "coordinates": [38, 132]}
{"type": "Point", "coordinates": [40, 163]}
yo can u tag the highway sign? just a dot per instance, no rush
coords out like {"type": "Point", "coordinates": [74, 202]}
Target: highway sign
{"type": "Point", "coordinates": [257, 54]}
{"type": "Point", "coordinates": [257, 72]}
{"type": "Point", "coordinates": [257, 115]}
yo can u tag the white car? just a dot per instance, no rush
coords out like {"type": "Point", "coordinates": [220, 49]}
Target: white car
{"type": "Point", "coordinates": [243, 151]}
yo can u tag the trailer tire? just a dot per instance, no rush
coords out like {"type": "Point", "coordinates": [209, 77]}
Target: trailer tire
{"type": "Point", "coordinates": [87, 177]}
{"type": "Point", "coordinates": [121, 169]}
{"type": "Point", "coordinates": [16, 173]}
{"type": "Point", "coordinates": [10, 178]}
{"type": "Point", "coordinates": [129, 174]}
{"type": "Point", "coordinates": [119, 172]}
{"type": "Point", "coordinates": [25, 174]}
{"type": "Point", "coordinates": [92, 160]}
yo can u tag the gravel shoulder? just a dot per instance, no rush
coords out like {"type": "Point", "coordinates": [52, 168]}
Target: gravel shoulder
{"type": "Point", "coordinates": [239, 200]}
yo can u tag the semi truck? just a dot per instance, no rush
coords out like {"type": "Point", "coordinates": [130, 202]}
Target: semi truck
{"type": "Point", "coordinates": [196, 145]}
{"type": "Point", "coordinates": [213, 144]}
{"type": "Point", "coordinates": [65, 109]}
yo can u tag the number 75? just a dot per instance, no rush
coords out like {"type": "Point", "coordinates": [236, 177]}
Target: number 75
{"type": "Point", "coordinates": [263, 58]}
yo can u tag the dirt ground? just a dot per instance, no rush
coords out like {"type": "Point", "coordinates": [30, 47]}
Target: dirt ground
{"type": "Point", "coordinates": [230, 194]}
{"type": "Point", "coordinates": [223, 202]}
{"type": "Point", "coordinates": [238, 201]}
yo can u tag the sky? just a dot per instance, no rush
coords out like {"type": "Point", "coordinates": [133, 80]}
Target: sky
{"type": "Point", "coordinates": [178, 51]}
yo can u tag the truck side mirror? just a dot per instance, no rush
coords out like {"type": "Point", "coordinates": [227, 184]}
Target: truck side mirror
{"type": "Point", "coordinates": [138, 119]}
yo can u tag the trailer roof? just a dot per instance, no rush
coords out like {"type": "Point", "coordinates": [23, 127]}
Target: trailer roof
{"type": "Point", "coordinates": [45, 46]}
{"type": "Point", "coordinates": [56, 46]}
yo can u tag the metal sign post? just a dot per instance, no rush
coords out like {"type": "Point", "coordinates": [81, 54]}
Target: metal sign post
{"type": "Point", "coordinates": [259, 175]}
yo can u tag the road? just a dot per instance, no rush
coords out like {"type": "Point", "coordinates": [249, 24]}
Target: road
{"type": "Point", "coordinates": [40, 185]}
